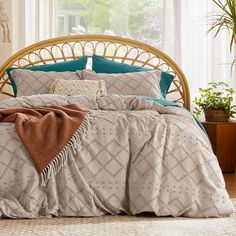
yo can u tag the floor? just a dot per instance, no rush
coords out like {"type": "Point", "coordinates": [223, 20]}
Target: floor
{"type": "Point", "coordinates": [230, 181]}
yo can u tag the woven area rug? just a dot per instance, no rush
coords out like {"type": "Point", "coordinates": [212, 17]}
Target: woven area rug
{"type": "Point", "coordinates": [121, 226]}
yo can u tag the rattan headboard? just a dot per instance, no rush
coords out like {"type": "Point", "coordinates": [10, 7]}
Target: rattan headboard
{"type": "Point", "coordinates": [111, 47]}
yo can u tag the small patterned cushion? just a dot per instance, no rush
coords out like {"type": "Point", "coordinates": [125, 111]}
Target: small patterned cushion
{"type": "Point", "coordinates": [79, 87]}
{"type": "Point", "coordinates": [39, 82]}
{"type": "Point", "coordinates": [145, 83]}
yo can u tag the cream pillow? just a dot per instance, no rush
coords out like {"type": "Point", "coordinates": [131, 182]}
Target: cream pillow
{"type": "Point", "coordinates": [79, 87]}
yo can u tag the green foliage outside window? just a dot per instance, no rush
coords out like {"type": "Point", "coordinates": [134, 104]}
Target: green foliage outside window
{"type": "Point", "coordinates": [140, 19]}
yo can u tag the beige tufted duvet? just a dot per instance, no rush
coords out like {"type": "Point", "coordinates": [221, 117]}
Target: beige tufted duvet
{"type": "Point", "coordinates": [137, 156]}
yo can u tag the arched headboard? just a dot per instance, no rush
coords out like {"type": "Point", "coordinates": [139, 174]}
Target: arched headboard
{"type": "Point", "coordinates": [111, 47]}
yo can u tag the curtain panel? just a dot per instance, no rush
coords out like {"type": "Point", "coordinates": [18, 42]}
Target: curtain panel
{"type": "Point", "coordinates": [30, 22]}
{"type": "Point", "coordinates": [202, 57]}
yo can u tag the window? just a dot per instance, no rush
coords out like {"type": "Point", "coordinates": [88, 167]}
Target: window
{"type": "Point", "coordinates": [61, 25]}
{"type": "Point", "coordinates": [139, 19]}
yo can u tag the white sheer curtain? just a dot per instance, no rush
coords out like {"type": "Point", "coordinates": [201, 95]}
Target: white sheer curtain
{"type": "Point", "coordinates": [31, 21]}
{"type": "Point", "coordinates": [202, 57]}
{"type": "Point", "coordinates": [39, 20]}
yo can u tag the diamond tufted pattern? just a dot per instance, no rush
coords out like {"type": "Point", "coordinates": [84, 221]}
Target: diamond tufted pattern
{"type": "Point", "coordinates": [145, 83]}
{"type": "Point", "coordinates": [39, 82]}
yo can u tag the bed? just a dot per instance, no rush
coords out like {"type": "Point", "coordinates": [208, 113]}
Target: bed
{"type": "Point", "coordinates": [131, 154]}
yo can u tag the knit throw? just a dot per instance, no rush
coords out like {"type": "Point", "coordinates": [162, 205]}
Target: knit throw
{"type": "Point", "coordinates": [49, 134]}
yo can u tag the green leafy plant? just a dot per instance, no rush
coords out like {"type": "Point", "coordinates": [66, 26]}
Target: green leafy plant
{"type": "Point", "coordinates": [226, 19]}
{"type": "Point", "coordinates": [218, 96]}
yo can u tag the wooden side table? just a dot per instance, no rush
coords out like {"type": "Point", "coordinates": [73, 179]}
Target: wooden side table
{"type": "Point", "coordinates": [223, 139]}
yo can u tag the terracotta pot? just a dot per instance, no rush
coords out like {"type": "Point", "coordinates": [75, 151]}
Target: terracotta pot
{"type": "Point", "coordinates": [216, 116]}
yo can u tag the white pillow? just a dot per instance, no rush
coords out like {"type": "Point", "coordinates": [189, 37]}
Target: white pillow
{"type": "Point", "coordinates": [79, 87]}
{"type": "Point", "coordinates": [145, 83]}
{"type": "Point", "coordinates": [38, 82]}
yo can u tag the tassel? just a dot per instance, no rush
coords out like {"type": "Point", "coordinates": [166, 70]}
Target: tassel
{"type": "Point", "coordinates": [4, 21]}
{"type": "Point", "coordinates": [8, 38]}
{"type": "Point", "coordinates": [6, 34]}
{"type": "Point", "coordinates": [70, 148]}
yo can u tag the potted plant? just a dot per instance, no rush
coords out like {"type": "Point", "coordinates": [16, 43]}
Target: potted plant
{"type": "Point", "coordinates": [216, 102]}
{"type": "Point", "coordinates": [226, 19]}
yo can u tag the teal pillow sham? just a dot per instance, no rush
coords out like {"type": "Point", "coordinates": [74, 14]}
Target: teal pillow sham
{"type": "Point", "coordinates": [102, 65]}
{"type": "Point", "coordinates": [73, 65]}
{"type": "Point", "coordinates": [166, 80]}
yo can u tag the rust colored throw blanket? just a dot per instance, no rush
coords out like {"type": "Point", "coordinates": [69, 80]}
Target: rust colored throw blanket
{"type": "Point", "coordinates": [47, 133]}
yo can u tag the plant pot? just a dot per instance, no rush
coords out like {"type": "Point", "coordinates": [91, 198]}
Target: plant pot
{"type": "Point", "coordinates": [216, 116]}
